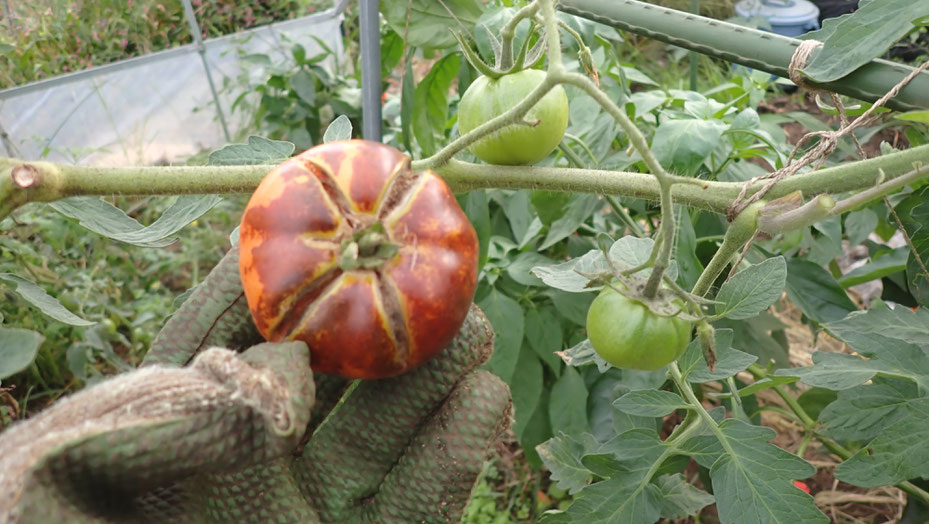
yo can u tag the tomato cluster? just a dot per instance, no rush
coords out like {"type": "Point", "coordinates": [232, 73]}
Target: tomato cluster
{"type": "Point", "coordinates": [347, 249]}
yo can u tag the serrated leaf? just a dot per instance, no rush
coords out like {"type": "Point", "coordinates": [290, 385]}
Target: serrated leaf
{"type": "Point", "coordinates": [562, 456]}
{"type": "Point", "coordinates": [752, 290]}
{"type": "Point", "coordinates": [862, 413]}
{"type": "Point", "coordinates": [752, 479]}
{"type": "Point", "coordinates": [838, 371]}
{"type": "Point", "coordinates": [680, 498]}
{"type": "Point", "coordinates": [339, 129]}
{"type": "Point", "coordinates": [866, 332]}
{"type": "Point", "coordinates": [105, 219]}
{"type": "Point", "coordinates": [755, 482]}
{"type": "Point", "coordinates": [508, 321]}
{"type": "Point", "coordinates": [729, 361]}
{"type": "Point", "coordinates": [258, 151]}
{"type": "Point", "coordinates": [626, 496]}
{"type": "Point", "coordinates": [816, 292]}
{"type": "Point", "coordinates": [649, 403]}
{"type": "Point", "coordinates": [18, 348]}
{"type": "Point", "coordinates": [852, 40]}
{"type": "Point", "coordinates": [48, 304]}
{"type": "Point", "coordinates": [898, 453]}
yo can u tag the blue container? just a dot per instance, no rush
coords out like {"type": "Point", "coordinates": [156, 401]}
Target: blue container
{"type": "Point", "coordinates": [787, 17]}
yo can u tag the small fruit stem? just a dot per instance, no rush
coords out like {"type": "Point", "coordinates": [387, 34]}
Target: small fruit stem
{"type": "Point", "coordinates": [508, 33]}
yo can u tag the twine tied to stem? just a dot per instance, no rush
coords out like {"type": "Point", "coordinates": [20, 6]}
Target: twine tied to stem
{"type": "Point", "coordinates": [828, 139]}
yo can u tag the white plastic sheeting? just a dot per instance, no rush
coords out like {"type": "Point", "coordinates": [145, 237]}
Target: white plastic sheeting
{"type": "Point", "coordinates": [154, 108]}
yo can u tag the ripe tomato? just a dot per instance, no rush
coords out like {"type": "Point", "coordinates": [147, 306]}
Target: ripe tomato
{"type": "Point", "coordinates": [372, 265]}
{"type": "Point", "coordinates": [515, 144]}
{"type": "Point", "coordinates": [627, 334]}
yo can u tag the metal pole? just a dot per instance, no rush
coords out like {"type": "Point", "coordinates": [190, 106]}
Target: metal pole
{"type": "Point", "coordinates": [695, 9]}
{"type": "Point", "coordinates": [370, 69]}
{"type": "Point", "coordinates": [201, 49]}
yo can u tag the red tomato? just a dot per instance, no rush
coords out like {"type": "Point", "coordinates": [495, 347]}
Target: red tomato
{"type": "Point", "coordinates": [372, 265]}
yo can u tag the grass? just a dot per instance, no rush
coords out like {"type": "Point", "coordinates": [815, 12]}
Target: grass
{"type": "Point", "coordinates": [44, 38]}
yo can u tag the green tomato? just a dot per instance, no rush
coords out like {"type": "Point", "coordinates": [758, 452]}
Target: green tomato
{"type": "Point", "coordinates": [515, 144]}
{"type": "Point", "coordinates": [628, 335]}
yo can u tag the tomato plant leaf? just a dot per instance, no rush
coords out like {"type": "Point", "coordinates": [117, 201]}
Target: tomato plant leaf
{"type": "Point", "coordinates": [816, 292]}
{"type": "Point", "coordinates": [627, 252]}
{"type": "Point", "coordinates": [519, 268]}
{"type": "Point", "coordinates": [562, 456]}
{"type": "Point", "coordinates": [679, 498]}
{"type": "Point", "coordinates": [339, 129]}
{"type": "Point", "coordinates": [580, 208]}
{"type": "Point", "coordinates": [105, 219]}
{"type": "Point", "coordinates": [852, 40]}
{"type": "Point", "coordinates": [425, 23]}
{"type": "Point", "coordinates": [752, 479]}
{"type": "Point", "coordinates": [257, 151]}
{"type": "Point", "coordinates": [890, 262]}
{"type": "Point", "coordinates": [46, 303]}
{"type": "Point", "coordinates": [568, 392]}
{"type": "Point", "coordinates": [867, 332]}
{"type": "Point", "coordinates": [18, 348]}
{"type": "Point", "coordinates": [862, 413]}
{"type": "Point", "coordinates": [859, 224]}
{"type": "Point", "coordinates": [543, 332]}
{"type": "Point", "coordinates": [681, 146]}
{"type": "Point", "coordinates": [581, 354]}
{"type": "Point", "coordinates": [752, 290]}
{"type": "Point", "coordinates": [430, 103]}
{"type": "Point", "coordinates": [729, 360]}
{"type": "Point", "coordinates": [898, 453]}
{"type": "Point", "coordinates": [649, 403]}
{"type": "Point", "coordinates": [572, 306]}
{"type": "Point", "coordinates": [526, 388]}
{"type": "Point", "coordinates": [508, 322]}
{"type": "Point", "coordinates": [626, 495]}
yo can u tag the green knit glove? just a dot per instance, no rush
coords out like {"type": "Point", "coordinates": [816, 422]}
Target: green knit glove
{"type": "Point", "coordinates": [200, 433]}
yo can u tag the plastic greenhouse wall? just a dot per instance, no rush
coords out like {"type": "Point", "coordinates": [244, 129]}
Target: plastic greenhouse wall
{"type": "Point", "coordinates": [151, 109]}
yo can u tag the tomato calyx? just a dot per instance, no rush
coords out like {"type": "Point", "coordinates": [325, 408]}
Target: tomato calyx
{"type": "Point", "coordinates": [367, 248]}
{"type": "Point", "coordinates": [526, 58]}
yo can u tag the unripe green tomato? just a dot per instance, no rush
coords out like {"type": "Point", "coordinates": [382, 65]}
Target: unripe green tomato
{"type": "Point", "coordinates": [515, 144]}
{"type": "Point", "coordinates": [628, 335]}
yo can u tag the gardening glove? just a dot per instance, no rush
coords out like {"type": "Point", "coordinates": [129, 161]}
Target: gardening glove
{"type": "Point", "coordinates": [201, 433]}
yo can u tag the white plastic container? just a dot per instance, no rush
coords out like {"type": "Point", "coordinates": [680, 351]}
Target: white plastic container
{"type": "Point", "coordinates": [787, 17]}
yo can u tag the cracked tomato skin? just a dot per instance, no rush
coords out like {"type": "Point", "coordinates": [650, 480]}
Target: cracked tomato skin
{"type": "Point", "coordinates": [359, 322]}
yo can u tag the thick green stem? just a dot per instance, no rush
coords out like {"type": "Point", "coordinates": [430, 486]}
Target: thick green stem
{"type": "Point", "coordinates": [739, 233]}
{"type": "Point", "coordinates": [508, 32]}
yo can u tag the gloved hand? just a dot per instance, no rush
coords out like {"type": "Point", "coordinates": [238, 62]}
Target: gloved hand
{"type": "Point", "coordinates": [201, 434]}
